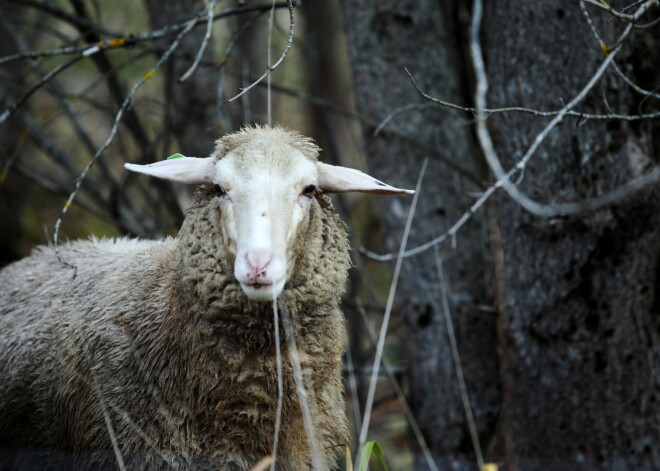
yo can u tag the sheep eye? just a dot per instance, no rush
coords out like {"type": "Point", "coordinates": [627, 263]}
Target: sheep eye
{"type": "Point", "coordinates": [219, 190]}
{"type": "Point", "coordinates": [309, 191]}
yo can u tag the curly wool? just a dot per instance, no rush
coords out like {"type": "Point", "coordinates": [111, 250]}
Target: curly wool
{"type": "Point", "coordinates": [254, 135]}
{"type": "Point", "coordinates": [160, 337]}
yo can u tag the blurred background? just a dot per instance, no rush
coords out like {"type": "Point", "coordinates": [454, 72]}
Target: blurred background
{"type": "Point", "coordinates": [556, 316]}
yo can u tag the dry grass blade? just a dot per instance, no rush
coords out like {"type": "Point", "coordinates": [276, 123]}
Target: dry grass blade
{"type": "Point", "coordinates": [353, 385]}
{"type": "Point", "coordinates": [414, 426]}
{"type": "Point", "coordinates": [263, 465]}
{"type": "Point", "coordinates": [108, 424]}
{"type": "Point", "coordinates": [474, 435]}
{"type": "Point", "coordinates": [280, 392]}
{"type": "Point", "coordinates": [388, 310]}
{"type": "Point", "coordinates": [290, 334]}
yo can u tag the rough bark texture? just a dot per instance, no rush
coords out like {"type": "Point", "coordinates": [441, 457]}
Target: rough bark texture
{"type": "Point", "coordinates": [382, 38]}
{"type": "Point", "coordinates": [579, 316]}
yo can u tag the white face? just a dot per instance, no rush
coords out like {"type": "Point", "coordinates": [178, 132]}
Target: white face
{"type": "Point", "coordinates": [264, 198]}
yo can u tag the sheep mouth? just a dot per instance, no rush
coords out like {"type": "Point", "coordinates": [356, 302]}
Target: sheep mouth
{"type": "Point", "coordinates": [262, 291]}
{"type": "Point", "coordinates": [260, 286]}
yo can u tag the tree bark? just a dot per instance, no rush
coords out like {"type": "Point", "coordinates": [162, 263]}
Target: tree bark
{"type": "Point", "coordinates": [423, 36]}
{"type": "Point", "coordinates": [578, 298]}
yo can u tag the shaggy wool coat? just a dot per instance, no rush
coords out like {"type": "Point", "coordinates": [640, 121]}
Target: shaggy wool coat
{"type": "Point", "coordinates": [155, 345]}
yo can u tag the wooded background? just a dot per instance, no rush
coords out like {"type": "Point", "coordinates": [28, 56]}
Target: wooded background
{"type": "Point", "coordinates": [555, 301]}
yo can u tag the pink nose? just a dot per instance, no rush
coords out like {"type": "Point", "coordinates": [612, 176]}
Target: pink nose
{"type": "Point", "coordinates": [258, 261]}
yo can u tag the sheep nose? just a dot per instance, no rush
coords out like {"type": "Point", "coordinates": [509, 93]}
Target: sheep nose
{"type": "Point", "coordinates": [258, 260]}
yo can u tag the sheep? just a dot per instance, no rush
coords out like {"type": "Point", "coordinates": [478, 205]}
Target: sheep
{"type": "Point", "coordinates": [162, 352]}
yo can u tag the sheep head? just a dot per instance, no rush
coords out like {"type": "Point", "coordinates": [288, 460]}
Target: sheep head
{"type": "Point", "coordinates": [266, 180]}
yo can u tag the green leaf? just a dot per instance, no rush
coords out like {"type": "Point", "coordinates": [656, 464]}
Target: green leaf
{"type": "Point", "coordinates": [371, 447]}
{"type": "Point", "coordinates": [175, 156]}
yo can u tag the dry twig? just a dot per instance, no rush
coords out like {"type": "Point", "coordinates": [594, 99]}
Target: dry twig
{"type": "Point", "coordinates": [108, 141]}
{"type": "Point", "coordinates": [285, 52]}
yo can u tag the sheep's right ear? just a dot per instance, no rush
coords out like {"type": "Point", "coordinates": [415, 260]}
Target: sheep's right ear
{"type": "Point", "coordinates": [192, 170]}
{"type": "Point", "coordinates": [336, 179]}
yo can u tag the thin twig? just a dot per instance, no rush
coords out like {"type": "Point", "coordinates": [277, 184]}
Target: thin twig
{"type": "Point", "coordinates": [115, 126]}
{"type": "Point", "coordinates": [386, 318]}
{"type": "Point", "coordinates": [205, 41]}
{"type": "Point", "coordinates": [64, 104]}
{"type": "Point", "coordinates": [123, 414]}
{"type": "Point", "coordinates": [462, 387]}
{"type": "Point", "coordinates": [60, 68]}
{"type": "Point", "coordinates": [605, 6]}
{"type": "Point", "coordinates": [265, 463]}
{"type": "Point", "coordinates": [269, 52]}
{"type": "Point", "coordinates": [650, 24]}
{"type": "Point", "coordinates": [289, 331]}
{"type": "Point", "coordinates": [519, 109]}
{"type": "Point", "coordinates": [285, 52]}
{"type": "Point", "coordinates": [402, 109]}
{"type": "Point", "coordinates": [74, 20]}
{"type": "Point", "coordinates": [133, 39]}
{"type": "Point", "coordinates": [328, 105]}
{"type": "Point", "coordinates": [604, 47]}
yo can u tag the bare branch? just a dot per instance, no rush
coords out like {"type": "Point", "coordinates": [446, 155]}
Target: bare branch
{"type": "Point", "coordinates": [605, 6]}
{"type": "Point", "coordinates": [604, 47]}
{"type": "Point", "coordinates": [134, 39]}
{"type": "Point", "coordinates": [484, 135]}
{"type": "Point", "coordinates": [60, 68]}
{"type": "Point", "coordinates": [77, 21]}
{"type": "Point", "coordinates": [205, 41]}
{"type": "Point", "coordinates": [285, 52]}
{"type": "Point", "coordinates": [487, 111]}
{"type": "Point", "coordinates": [648, 25]}
{"type": "Point", "coordinates": [113, 132]}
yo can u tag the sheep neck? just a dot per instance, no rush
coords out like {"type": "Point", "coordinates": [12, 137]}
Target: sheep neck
{"type": "Point", "coordinates": [234, 378]}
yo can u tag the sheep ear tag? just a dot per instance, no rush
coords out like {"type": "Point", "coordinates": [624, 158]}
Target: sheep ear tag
{"type": "Point", "coordinates": [336, 179]}
{"type": "Point", "coordinates": [192, 170]}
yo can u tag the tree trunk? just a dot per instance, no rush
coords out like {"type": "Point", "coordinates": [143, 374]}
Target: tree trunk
{"type": "Point", "coordinates": [578, 296]}
{"type": "Point", "coordinates": [382, 38]}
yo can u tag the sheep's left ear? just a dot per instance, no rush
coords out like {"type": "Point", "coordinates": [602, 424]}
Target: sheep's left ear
{"type": "Point", "coordinates": [192, 170]}
{"type": "Point", "coordinates": [335, 179]}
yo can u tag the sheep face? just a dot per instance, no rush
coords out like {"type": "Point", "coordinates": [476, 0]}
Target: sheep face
{"type": "Point", "coordinates": [265, 180]}
{"type": "Point", "coordinates": [265, 195]}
